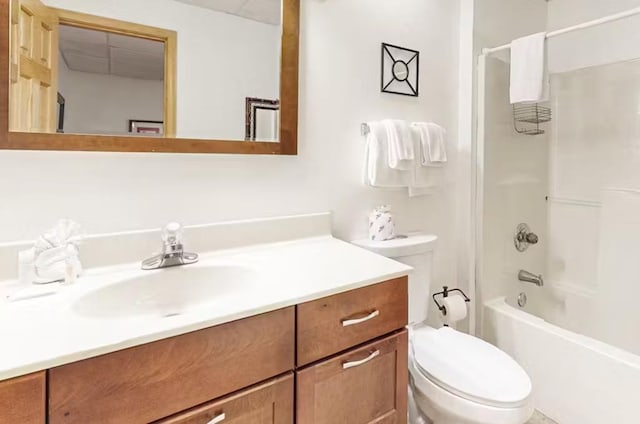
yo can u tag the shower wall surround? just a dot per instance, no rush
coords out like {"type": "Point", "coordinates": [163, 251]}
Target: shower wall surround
{"type": "Point", "coordinates": [593, 250]}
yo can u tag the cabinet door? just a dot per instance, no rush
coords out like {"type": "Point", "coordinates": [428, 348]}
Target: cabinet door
{"type": "Point", "coordinates": [366, 385]}
{"type": "Point", "coordinates": [22, 399]}
{"type": "Point", "coordinates": [268, 403]}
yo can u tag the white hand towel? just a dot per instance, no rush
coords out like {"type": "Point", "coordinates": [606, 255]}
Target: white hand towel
{"type": "Point", "coordinates": [432, 148]}
{"type": "Point", "coordinates": [377, 172]}
{"type": "Point", "coordinates": [400, 144]}
{"type": "Point", "coordinates": [529, 75]}
{"type": "Point", "coordinates": [425, 180]}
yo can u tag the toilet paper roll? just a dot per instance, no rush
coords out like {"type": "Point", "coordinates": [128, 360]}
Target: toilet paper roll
{"type": "Point", "coordinates": [456, 309]}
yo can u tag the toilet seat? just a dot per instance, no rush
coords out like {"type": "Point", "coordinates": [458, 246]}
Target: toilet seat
{"type": "Point", "coordinates": [469, 367]}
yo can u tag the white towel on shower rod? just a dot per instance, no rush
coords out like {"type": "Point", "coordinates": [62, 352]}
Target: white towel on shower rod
{"type": "Point", "coordinates": [529, 74]}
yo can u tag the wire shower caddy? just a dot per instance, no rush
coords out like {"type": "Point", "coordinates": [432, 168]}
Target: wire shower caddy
{"type": "Point", "coordinates": [527, 118]}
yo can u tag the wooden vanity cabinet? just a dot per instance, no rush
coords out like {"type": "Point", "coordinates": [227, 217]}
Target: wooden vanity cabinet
{"type": "Point", "coordinates": [366, 385]}
{"type": "Point", "coordinates": [341, 359]}
{"type": "Point", "coordinates": [23, 399]}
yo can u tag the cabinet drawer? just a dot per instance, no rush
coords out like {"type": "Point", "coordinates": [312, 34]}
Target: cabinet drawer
{"type": "Point", "coordinates": [22, 399]}
{"type": "Point", "coordinates": [268, 403]}
{"type": "Point", "coordinates": [338, 322]}
{"type": "Point", "coordinates": [153, 381]}
{"type": "Point", "coordinates": [365, 385]}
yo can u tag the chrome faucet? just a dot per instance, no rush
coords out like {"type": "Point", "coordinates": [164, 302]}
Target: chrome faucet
{"type": "Point", "coordinates": [173, 253]}
{"type": "Point", "coordinates": [529, 277]}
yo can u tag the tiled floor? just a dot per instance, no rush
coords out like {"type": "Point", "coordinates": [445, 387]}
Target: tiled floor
{"type": "Point", "coordinates": [538, 418]}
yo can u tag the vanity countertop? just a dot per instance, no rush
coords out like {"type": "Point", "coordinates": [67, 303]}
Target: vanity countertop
{"type": "Point", "coordinates": [46, 332]}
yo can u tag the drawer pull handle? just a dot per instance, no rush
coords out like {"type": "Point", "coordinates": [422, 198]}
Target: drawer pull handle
{"type": "Point", "coordinates": [348, 322]}
{"type": "Point", "coordinates": [218, 419]}
{"type": "Point", "coordinates": [352, 364]}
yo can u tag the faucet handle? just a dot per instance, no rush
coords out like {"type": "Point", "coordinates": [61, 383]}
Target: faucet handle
{"type": "Point", "coordinates": [172, 233]}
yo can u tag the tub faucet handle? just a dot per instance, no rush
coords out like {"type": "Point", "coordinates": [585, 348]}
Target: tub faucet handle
{"type": "Point", "coordinates": [524, 237]}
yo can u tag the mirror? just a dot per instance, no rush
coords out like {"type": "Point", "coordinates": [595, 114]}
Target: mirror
{"type": "Point", "coordinates": [139, 75]}
{"type": "Point", "coordinates": [400, 71]}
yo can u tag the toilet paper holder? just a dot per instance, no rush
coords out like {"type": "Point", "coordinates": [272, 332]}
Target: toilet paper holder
{"type": "Point", "coordinates": [445, 293]}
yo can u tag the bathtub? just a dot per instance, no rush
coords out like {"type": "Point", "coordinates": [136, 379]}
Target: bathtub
{"type": "Point", "coordinates": [576, 379]}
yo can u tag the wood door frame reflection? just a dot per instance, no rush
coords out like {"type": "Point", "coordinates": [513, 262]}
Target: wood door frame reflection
{"type": "Point", "coordinates": [165, 36]}
{"type": "Point", "coordinates": [288, 144]}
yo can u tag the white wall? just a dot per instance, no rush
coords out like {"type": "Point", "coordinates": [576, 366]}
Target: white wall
{"type": "Point", "coordinates": [222, 59]}
{"type": "Point", "coordinates": [608, 43]}
{"type": "Point", "coordinates": [103, 104]}
{"type": "Point", "coordinates": [339, 89]}
{"type": "Point", "coordinates": [498, 22]}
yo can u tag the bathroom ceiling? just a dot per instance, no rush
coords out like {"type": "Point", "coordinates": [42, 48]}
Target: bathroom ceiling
{"type": "Point", "coordinates": [100, 52]}
{"type": "Point", "coordinates": [266, 11]}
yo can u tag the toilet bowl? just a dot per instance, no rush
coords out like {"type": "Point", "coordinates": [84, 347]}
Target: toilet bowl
{"type": "Point", "coordinates": [455, 378]}
{"type": "Point", "coordinates": [460, 379]}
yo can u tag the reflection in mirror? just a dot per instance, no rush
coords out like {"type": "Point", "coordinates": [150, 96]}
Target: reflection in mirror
{"type": "Point", "coordinates": [262, 119]}
{"type": "Point", "coordinates": [173, 68]}
{"type": "Point", "coordinates": [107, 79]}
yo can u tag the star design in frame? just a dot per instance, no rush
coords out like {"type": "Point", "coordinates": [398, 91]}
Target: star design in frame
{"type": "Point", "coordinates": [400, 69]}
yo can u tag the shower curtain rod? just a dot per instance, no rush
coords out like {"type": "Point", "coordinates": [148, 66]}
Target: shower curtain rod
{"type": "Point", "coordinates": [585, 25]}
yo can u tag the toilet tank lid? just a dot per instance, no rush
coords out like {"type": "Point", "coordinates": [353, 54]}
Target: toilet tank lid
{"type": "Point", "coordinates": [411, 244]}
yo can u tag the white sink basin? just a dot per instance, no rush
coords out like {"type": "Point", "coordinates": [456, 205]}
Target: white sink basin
{"type": "Point", "coordinates": [168, 292]}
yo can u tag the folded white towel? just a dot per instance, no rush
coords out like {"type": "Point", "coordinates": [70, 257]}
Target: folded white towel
{"type": "Point", "coordinates": [400, 144]}
{"type": "Point", "coordinates": [425, 180]}
{"type": "Point", "coordinates": [529, 75]}
{"type": "Point", "coordinates": [377, 172]}
{"type": "Point", "coordinates": [432, 148]}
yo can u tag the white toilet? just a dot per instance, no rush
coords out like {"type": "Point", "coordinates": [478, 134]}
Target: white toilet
{"type": "Point", "coordinates": [457, 378]}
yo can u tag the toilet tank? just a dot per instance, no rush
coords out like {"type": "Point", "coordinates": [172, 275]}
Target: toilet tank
{"type": "Point", "coordinates": [415, 250]}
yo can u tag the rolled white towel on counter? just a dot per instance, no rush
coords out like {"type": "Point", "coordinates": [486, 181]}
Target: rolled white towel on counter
{"type": "Point", "coordinates": [51, 265]}
{"type": "Point", "coordinates": [56, 253]}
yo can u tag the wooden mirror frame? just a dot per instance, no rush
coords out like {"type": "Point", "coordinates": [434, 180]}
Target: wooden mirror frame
{"type": "Point", "coordinates": [288, 144]}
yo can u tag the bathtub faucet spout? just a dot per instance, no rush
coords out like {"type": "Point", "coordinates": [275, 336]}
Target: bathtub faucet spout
{"type": "Point", "coordinates": [529, 277]}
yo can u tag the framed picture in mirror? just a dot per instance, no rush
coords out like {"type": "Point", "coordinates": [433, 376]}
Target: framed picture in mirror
{"type": "Point", "coordinates": [166, 64]}
{"type": "Point", "coordinates": [262, 119]}
{"type": "Point", "coordinates": [146, 127]}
